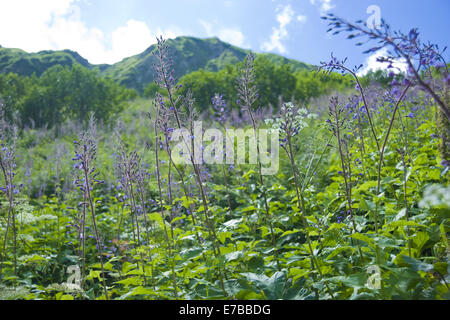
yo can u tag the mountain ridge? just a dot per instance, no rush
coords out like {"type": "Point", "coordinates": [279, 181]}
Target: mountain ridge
{"type": "Point", "coordinates": [189, 54]}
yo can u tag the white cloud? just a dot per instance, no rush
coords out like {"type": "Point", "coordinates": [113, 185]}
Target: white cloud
{"type": "Point", "coordinates": [280, 33]}
{"type": "Point", "coordinates": [231, 35]}
{"type": "Point", "coordinates": [325, 5]}
{"type": "Point", "coordinates": [57, 25]}
{"type": "Point", "coordinates": [302, 18]}
{"type": "Point", "coordinates": [372, 64]}
{"type": "Point", "coordinates": [208, 27]}
{"type": "Point", "coordinates": [285, 16]}
{"type": "Point", "coordinates": [25, 24]}
{"type": "Point", "coordinates": [130, 39]}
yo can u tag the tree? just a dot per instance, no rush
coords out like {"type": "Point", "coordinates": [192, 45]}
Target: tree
{"type": "Point", "coordinates": [63, 93]}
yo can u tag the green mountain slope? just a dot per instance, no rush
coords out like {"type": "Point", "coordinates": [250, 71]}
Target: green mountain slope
{"type": "Point", "coordinates": [189, 54]}
{"type": "Point", "coordinates": [25, 64]}
{"type": "Point", "coordinates": [296, 65]}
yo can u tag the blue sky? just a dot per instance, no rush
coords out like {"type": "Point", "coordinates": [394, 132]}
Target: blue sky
{"type": "Point", "coordinates": [106, 31]}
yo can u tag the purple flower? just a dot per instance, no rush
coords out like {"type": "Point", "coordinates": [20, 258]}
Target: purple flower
{"type": "Point", "coordinates": [219, 105]}
{"type": "Point", "coordinates": [413, 34]}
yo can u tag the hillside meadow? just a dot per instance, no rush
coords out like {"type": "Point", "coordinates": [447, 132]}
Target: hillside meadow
{"type": "Point", "coordinates": [94, 205]}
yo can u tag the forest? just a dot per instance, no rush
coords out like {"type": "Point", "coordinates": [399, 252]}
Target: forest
{"type": "Point", "coordinates": [95, 205]}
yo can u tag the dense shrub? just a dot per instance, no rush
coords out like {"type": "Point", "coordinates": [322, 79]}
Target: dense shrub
{"type": "Point", "coordinates": [62, 93]}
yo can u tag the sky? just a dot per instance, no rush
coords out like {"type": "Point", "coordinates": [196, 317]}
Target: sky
{"type": "Point", "coordinates": [106, 31]}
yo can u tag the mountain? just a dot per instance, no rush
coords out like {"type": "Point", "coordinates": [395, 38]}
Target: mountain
{"type": "Point", "coordinates": [188, 53]}
{"type": "Point", "coordinates": [25, 64]}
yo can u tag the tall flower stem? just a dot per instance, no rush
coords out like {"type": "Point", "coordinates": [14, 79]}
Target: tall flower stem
{"type": "Point", "coordinates": [337, 122]}
{"type": "Point", "coordinates": [301, 204]}
{"type": "Point", "coordinates": [383, 148]}
{"type": "Point", "coordinates": [405, 198]}
{"type": "Point", "coordinates": [158, 176]}
{"type": "Point", "coordinates": [97, 238]}
{"type": "Point", "coordinates": [86, 179]}
{"type": "Point", "coordinates": [144, 213]}
{"type": "Point", "coordinates": [11, 222]}
{"type": "Point", "coordinates": [228, 191]}
{"type": "Point", "coordinates": [366, 107]}
{"type": "Point", "coordinates": [248, 94]}
{"type": "Point", "coordinates": [82, 245]}
{"type": "Point", "coordinates": [167, 82]}
{"type": "Point", "coordinates": [137, 227]}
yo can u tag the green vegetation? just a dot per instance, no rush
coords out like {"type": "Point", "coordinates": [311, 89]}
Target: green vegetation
{"type": "Point", "coordinates": [410, 247]}
{"type": "Point", "coordinates": [272, 81]}
{"type": "Point", "coordinates": [41, 90]}
{"type": "Point", "coordinates": [189, 55]}
{"type": "Point", "coordinates": [61, 93]}
{"type": "Point", "coordinates": [136, 72]}
{"type": "Point", "coordinates": [94, 207]}
{"type": "Point", "coordinates": [25, 64]}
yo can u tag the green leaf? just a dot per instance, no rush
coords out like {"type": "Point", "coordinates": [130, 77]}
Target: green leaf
{"type": "Point", "coordinates": [191, 253]}
{"type": "Point", "coordinates": [403, 223]}
{"type": "Point", "coordinates": [127, 266]}
{"type": "Point", "coordinates": [276, 286]}
{"type": "Point", "coordinates": [355, 280]}
{"type": "Point", "coordinates": [297, 273]}
{"type": "Point", "coordinates": [247, 175]}
{"type": "Point", "coordinates": [232, 224]}
{"type": "Point", "coordinates": [363, 205]}
{"type": "Point", "coordinates": [339, 250]}
{"type": "Point", "coordinates": [249, 209]}
{"type": "Point", "coordinates": [401, 215]}
{"type": "Point", "coordinates": [94, 274]}
{"type": "Point", "coordinates": [290, 232]}
{"type": "Point", "coordinates": [416, 265]}
{"type": "Point", "coordinates": [420, 239]}
{"type": "Point", "coordinates": [364, 238]}
{"type": "Point", "coordinates": [441, 267]}
{"type": "Point", "coordinates": [138, 291]}
{"type": "Point", "coordinates": [235, 255]}
{"type": "Point", "coordinates": [157, 217]}
{"type": "Point", "coordinates": [367, 185]}
{"type": "Point", "coordinates": [223, 236]}
{"type": "Point", "coordinates": [273, 287]}
{"type": "Point", "coordinates": [130, 281]}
